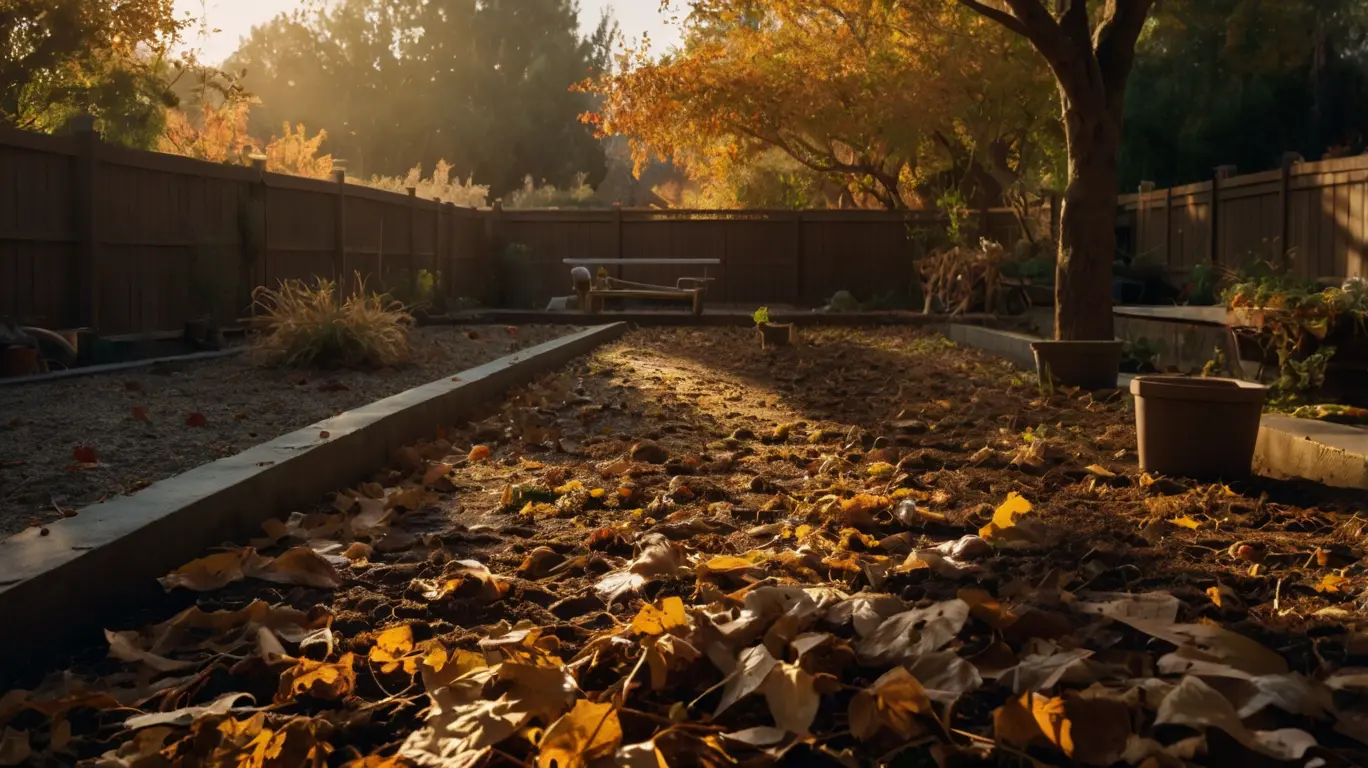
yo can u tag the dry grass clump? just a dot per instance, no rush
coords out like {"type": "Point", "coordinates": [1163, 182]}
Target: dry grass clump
{"type": "Point", "coordinates": [312, 326]}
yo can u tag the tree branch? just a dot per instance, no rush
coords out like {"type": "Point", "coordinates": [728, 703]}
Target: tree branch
{"type": "Point", "coordinates": [1002, 17]}
{"type": "Point", "coordinates": [1117, 33]}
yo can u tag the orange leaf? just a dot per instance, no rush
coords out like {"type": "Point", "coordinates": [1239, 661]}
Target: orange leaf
{"type": "Point", "coordinates": [196, 419]}
{"type": "Point", "coordinates": [479, 453]}
{"type": "Point", "coordinates": [85, 454]}
{"type": "Point", "coordinates": [140, 413]}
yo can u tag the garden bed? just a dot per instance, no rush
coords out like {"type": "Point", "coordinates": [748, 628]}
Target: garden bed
{"type": "Point", "coordinates": [146, 424]}
{"type": "Point", "coordinates": [865, 528]}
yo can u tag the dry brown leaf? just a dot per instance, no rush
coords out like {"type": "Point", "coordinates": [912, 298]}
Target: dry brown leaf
{"type": "Point", "coordinates": [466, 577]}
{"type": "Point", "coordinates": [1159, 607]}
{"type": "Point", "coordinates": [322, 680]}
{"type": "Point", "coordinates": [792, 696]}
{"type": "Point", "coordinates": [1090, 731]}
{"type": "Point", "coordinates": [126, 646]}
{"type": "Point", "coordinates": [393, 649]}
{"type": "Point", "coordinates": [300, 566]}
{"type": "Point", "coordinates": [181, 718]}
{"type": "Point", "coordinates": [14, 747]}
{"type": "Point", "coordinates": [1208, 643]}
{"type": "Point", "coordinates": [893, 702]}
{"type": "Point", "coordinates": [944, 675]}
{"type": "Point", "coordinates": [1197, 705]}
{"type": "Point", "coordinates": [912, 633]}
{"type": "Point", "coordinates": [209, 573]}
{"type": "Point", "coordinates": [587, 732]}
{"type": "Point", "coordinates": [753, 666]}
{"type": "Point", "coordinates": [1333, 583]}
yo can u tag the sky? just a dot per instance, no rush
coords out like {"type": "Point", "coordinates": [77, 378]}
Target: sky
{"type": "Point", "coordinates": [235, 19]}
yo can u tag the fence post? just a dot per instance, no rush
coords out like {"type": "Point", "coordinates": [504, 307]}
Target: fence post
{"type": "Point", "coordinates": [1168, 227]}
{"type": "Point", "coordinates": [340, 231]}
{"type": "Point", "coordinates": [1289, 159]}
{"type": "Point", "coordinates": [1141, 216]}
{"type": "Point", "coordinates": [1221, 173]}
{"type": "Point", "coordinates": [412, 263]}
{"type": "Point", "coordinates": [86, 312]}
{"type": "Point", "coordinates": [438, 216]}
{"type": "Point", "coordinates": [254, 251]}
{"type": "Point", "coordinates": [494, 235]}
{"type": "Point", "coordinates": [798, 258]}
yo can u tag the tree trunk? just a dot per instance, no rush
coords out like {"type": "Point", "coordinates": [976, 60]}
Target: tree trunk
{"type": "Point", "coordinates": [1087, 229]}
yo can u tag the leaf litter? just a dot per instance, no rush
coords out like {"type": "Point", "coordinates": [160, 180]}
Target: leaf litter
{"type": "Point", "coordinates": [658, 558]}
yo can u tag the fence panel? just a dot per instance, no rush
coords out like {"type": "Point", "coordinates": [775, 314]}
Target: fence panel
{"type": "Point", "coordinates": [37, 230]}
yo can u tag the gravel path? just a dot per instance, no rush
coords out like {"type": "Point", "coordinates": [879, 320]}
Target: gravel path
{"type": "Point", "coordinates": [144, 425]}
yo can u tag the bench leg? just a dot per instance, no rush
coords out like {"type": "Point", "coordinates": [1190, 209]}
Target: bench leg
{"type": "Point", "coordinates": [698, 301]}
{"type": "Point", "coordinates": [583, 300]}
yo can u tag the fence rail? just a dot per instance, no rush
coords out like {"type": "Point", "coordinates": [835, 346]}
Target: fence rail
{"type": "Point", "coordinates": [129, 242]}
{"type": "Point", "coordinates": [1311, 216]}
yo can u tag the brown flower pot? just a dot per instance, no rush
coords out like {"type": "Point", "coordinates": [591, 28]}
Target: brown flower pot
{"type": "Point", "coordinates": [17, 360]}
{"type": "Point", "coordinates": [1200, 428]}
{"type": "Point", "coordinates": [775, 335]}
{"type": "Point", "coordinates": [1083, 364]}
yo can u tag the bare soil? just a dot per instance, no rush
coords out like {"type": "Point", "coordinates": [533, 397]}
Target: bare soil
{"type": "Point", "coordinates": [762, 498]}
{"type": "Point", "coordinates": [141, 424]}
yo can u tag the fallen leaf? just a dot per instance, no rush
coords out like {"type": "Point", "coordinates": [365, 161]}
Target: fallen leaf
{"type": "Point", "coordinates": [1006, 524]}
{"type": "Point", "coordinates": [1186, 522]}
{"type": "Point", "coordinates": [1159, 607]}
{"type": "Point", "coordinates": [211, 572]}
{"type": "Point", "coordinates": [1209, 643]}
{"type": "Point", "coordinates": [326, 681]}
{"type": "Point", "coordinates": [586, 733]}
{"type": "Point", "coordinates": [324, 435]}
{"type": "Point", "coordinates": [912, 633]}
{"type": "Point", "coordinates": [187, 715]}
{"type": "Point", "coordinates": [1097, 470]}
{"type": "Point", "coordinates": [653, 621]}
{"type": "Point", "coordinates": [85, 454]}
{"type": "Point", "coordinates": [196, 419]}
{"type": "Point", "coordinates": [1090, 731]}
{"type": "Point", "coordinates": [301, 566]}
{"type": "Point", "coordinates": [893, 702]}
{"type": "Point", "coordinates": [1195, 704]}
{"type": "Point", "coordinates": [14, 747]}
{"type": "Point", "coordinates": [140, 413]}
{"type": "Point", "coordinates": [792, 697]}
{"type": "Point", "coordinates": [393, 649]}
{"type": "Point", "coordinates": [124, 646]}
{"type": "Point", "coordinates": [478, 453]}
{"type": "Point", "coordinates": [1333, 583]}
{"type": "Point", "coordinates": [753, 666]}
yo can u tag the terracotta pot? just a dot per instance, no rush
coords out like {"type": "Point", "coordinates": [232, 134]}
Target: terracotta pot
{"type": "Point", "coordinates": [17, 360]}
{"type": "Point", "coordinates": [1200, 428]}
{"type": "Point", "coordinates": [775, 335]}
{"type": "Point", "coordinates": [1083, 364]}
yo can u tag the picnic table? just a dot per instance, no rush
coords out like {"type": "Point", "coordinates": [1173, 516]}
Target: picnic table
{"type": "Point", "coordinates": [593, 291]}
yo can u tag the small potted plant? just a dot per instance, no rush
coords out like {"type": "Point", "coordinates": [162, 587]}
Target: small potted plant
{"type": "Point", "coordinates": [1204, 428]}
{"type": "Point", "coordinates": [1082, 364]}
{"type": "Point", "coordinates": [773, 334]}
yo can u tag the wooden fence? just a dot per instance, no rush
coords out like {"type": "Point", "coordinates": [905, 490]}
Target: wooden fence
{"type": "Point", "coordinates": [131, 242]}
{"type": "Point", "coordinates": [1313, 215]}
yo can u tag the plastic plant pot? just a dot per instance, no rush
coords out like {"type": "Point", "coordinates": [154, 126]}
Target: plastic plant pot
{"type": "Point", "coordinates": [1205, 429]}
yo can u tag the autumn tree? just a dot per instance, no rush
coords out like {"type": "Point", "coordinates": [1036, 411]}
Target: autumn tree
{"type": "Point", "coordinates": [866, 93]}
{"type": "Point", "coordinates": [108, 58]}
{"type": "Point", "coordinates": [1091, 55]}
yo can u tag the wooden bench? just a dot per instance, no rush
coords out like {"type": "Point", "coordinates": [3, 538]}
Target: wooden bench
{"type": "Point", "coordinates": [592, 296]}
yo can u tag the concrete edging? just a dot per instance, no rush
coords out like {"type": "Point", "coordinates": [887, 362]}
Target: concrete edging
{"type": "Point", "coordinates": [104, 562]}
{"type": "Point", "coordinates": [1330, 454]}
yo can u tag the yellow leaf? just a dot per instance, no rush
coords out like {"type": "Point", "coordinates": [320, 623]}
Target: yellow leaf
{"type": "Point", "coordinates": [1215, 594]}
{"type": "Point", "coordinates": [1006, 515]}
{"type": "Point", "coordinates": [1333, 583]}
{"type": "Point", "coordinates": [586, 733]}
{"type": "Point", "coordinates": [392, 649]}
{"type": "Point", "coordinates": [882, 470]}
{"type": "Point", "coordinates": [891, 702]}
{"type": "Point", "coordinates": [726, 564]}
{"type": "Point", "coordinates": [1100, 471]}
{"type": "Point", "coordinates": [1186, 522]}
{"type": "Point", "coordinates": [1091, 731]}
{"type": "Point", "coordinates": [654, 621]}
{"type": "Point", "coordinates": [318, 679]}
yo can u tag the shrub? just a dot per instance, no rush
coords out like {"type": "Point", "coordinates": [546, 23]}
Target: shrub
{"type": "Point", "coordinates": [312, 326]}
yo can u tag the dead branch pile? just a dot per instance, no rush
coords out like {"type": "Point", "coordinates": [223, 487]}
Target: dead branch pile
{"type": "Point", "coordinates": [962, 279]}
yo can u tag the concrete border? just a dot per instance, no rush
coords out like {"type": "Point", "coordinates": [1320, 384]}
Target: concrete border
{"type": "Point", "coordinates": [98, 566]}
{"type": "Point", "coordinates": [1331, 454]}
{"type": "Point", "coordinates": [713, 318]}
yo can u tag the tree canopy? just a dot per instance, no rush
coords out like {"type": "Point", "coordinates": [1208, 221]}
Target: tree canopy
{"type": "Point", "coordinates": [485, 86]}
{"type": "Point", "coordinates": [109, 58]}
{"type": "Point", "coordinates": [1242, 81]}
{"type": "Point", "coordinates": [894, 100]}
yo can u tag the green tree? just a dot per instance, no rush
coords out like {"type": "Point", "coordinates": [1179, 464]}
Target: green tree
{"type": "Point", "coordinates": [1242, 81]}
{"type": "Point", "coordinates": [397, 83]}
{"type": "Point", "coordinates": [109, 58]}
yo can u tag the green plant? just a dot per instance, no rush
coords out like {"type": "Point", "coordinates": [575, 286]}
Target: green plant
{"type": "Point", "coordinates": [1298, 379]}
{"type": "Point", "coordinates": [952, 203]}
{"type": "Point", "coordinates": [761, 316]}
{"type": "Point", "coordinates": [1201, 290]}
{"type": "Point", "coordinates": [1139, 355]}
{"type": "Point", "coordinates": [303, 325]}
{"type": "Point", "coordinates": [420, 292]}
